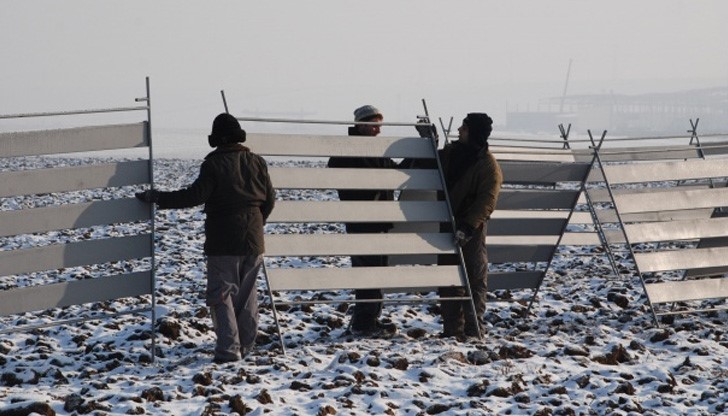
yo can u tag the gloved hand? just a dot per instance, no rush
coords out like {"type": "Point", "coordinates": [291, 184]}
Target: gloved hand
{"type": "Point", "coordinates": [426, 129]}
{"type": "Point", "coordinates": [463, 235]}
{"type": "Point", "coordinates": [150, 196]}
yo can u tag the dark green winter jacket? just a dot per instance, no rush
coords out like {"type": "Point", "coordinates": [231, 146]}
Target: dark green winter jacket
{"type": "Point", "coordinates": [238, 195]}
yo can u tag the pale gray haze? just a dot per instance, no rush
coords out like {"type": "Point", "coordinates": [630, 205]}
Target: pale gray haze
{"type": "Point", "coordinates": [319, 59]}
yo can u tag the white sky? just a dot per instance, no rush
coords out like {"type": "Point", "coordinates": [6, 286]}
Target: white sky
{"type": "Point", "coordinates": [322, 58]}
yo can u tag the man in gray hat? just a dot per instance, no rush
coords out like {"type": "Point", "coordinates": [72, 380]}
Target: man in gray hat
{"type": "Point", "coordinates": [365, 320]}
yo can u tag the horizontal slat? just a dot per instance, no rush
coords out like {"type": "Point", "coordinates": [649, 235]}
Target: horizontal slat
{"type": "Point", "coordinates": [74, 254]}
{"type": "Point", "coordinates": [577, 217]}
{"type": "Point", "coordinates": [57, 295]}
{"type": "Point", "coordinates": [581, 217]}
{"type": "Point", "coordinates": [647, 153]}
{"type": "Point", "coordinates": [513, 214]}
{"type": "Point", "coordinates": [608, 215]}
{"type": "Point", "coordinates": [499, 253]}
{"type": "Point", "coordinates": [666, 171]}
{"type": "Point", "coordinates": [322, 146]}
{"type": "Point", "coordinates": [602, 195]}
{"type": "Point", "coordinates": [357, 244]}
{"type": "Point", "coordinates": [525, 226]}
{"type": "Point", "coordinates": [72, 216]}
{"type": "Point", "coordinates": [514, 280]}
{"type": "Point", "coordinates": [79, 139]}
{"type": "Point", "coordinates": [390, 278]}
{"type": "Point", "coordinates": [512, 199]}
{"type": "Point", "coordinates": [677, 230]}
{"type": "Point", "coordinates": [672, 200]}
{"type": "Point", "coordinates": [688, 290]}
{"type": "Point", "coordinates": [503, 153]}
{"type": "Point", "coordinates": [580, 239]}
{"type": "Point", "coordinates": [352, 178]}
{"type": "Point", "coordinates": [521, 240]}
{"type": "Point", "coordinates": [542, 172]}
{"type": "Point", "coordinates": [614, 236]}
{"type": "Point", "coordinates": [682, 259]}
{"type": "Point", "coordinates": [38, 181]}
{"type": "Point", "coordinates": [710, 271]}
{"type": "Point", "coordinates": [359, 211]}
{"type": "Point", "coordinates": [715, 148]}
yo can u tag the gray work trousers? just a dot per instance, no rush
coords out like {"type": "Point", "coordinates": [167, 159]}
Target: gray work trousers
{"type": "Point", "coordinates": [233, 300]}
{"type": "Point", "coordinates": [457, 316]}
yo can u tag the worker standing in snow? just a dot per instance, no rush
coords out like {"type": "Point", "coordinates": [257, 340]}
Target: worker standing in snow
{"type": "Point", "coordinates": [473, 179]}
{"type": "Point", "coordinates": [238, 195]}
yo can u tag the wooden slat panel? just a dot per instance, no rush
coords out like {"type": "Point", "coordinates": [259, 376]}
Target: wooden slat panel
{"type": "Point", "coordinates": [715, 148]}
{"type": "Point", "coordinates": [581, 217]}
{"type": "Point", "coordinates": [647, 153]}
{"type": "Point", "coordinates": [72, 216]}
{"type": "Point", "coordinates": [614, 236]}
{"type": "Point", "coordinates": [503, 153]}
{"type": "Point", "coordinates": [390, 278]}
{"type": "Point", "coordinates": [608, 215]}
{"type": "Point", "coordinates": [527, 214]}
{"type": "Point", "coordinates": [514, 280]}
{"type": "Point", "coordinates": [323, 146]}
{"type": "Point", "coordinates": [672, 200]}
{"type": "Point", "coordinates": [541, 173]}
{"type": "Point", "coordinates": [521, 240]}
{"type": "Point", "coordinates": [347, 178]}
{"type": "Point", "coordinates": [512, 254]}
{"type": "Point", "coordinates": [75, 292]}
{"type": "Point", "coordinates": [602, 195]}
{"type": "Point", "coordinates": [357, 244]}
{"type": "Point", "coordinates": [38, 181]}
{"type": "Point", "coordinates": [80, 139]}
{"type": "Point", "coordinates": [666, 171]}
{"type": "Point", "coordinates": [74, 254]}
{"type": "Point", "coordinates": [677, 230]}
{"type": "Point", "coordinates": [525, 226]}
{"type": "Point", "coordinates": [710, 271]}
{"type": "Point", "coordinates": [513, 199]}
{"type": "Point", "coordinates": [580, 239]}
{"type": "Point", "coordinates": [578, 217]}
{"type": "Point", "coordinates": [687, 290]}
{"type": "Point", "coordinates": [682, 259]}
{"type": "Point", "coordinates": [359, 211]}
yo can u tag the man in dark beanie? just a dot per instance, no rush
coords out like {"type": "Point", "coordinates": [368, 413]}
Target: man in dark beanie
{"type": "Point", "coordinates": [238, 195]}
{"type": "Point", "coordinates": [473, 178]}
{"type": "Point", "coordinates": [365, 320]}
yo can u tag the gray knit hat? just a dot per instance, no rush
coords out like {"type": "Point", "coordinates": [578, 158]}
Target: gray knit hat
{"type": "Point", "coordinates": [366, 112]}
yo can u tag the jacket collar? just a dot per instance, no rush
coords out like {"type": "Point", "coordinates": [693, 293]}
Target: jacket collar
{"type": "Point", "coordinates": [228, 148]}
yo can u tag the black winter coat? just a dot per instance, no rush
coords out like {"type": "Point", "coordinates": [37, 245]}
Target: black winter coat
{"type": "Point", "coordinates": [364, 194]}
{"type": "Point", "coordinates": [238, 195]}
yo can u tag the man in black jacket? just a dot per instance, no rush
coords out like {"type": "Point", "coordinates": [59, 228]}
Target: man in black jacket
{"type": "Point", "coordinates": [238, 195]}
{"type": "Point", "coordinates": [365, 320]}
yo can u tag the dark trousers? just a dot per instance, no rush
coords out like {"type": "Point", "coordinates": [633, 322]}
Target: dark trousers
{"type": "Point", "coordinates": [457, 316]}
{"type": "Point", "coordinates": [366, 313]}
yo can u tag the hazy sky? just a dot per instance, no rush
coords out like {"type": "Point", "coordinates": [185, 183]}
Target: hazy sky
{"type": "Point", "coordinates": [322, 58]}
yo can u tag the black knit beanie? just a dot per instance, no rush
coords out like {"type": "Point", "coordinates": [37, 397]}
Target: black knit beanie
{"type": "Point", "coordinates": [479, 127]}
{"type": "Point", "coordinates": [225, 130]}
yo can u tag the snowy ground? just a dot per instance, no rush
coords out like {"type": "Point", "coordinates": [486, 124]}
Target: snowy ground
{"type": "Point", "coordinates": [589, 347]}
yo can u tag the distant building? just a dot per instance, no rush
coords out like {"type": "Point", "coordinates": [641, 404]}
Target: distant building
{"type": "Point", "coordinates": [655, 113]}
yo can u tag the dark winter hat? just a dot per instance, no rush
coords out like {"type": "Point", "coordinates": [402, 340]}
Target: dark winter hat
{"type": "Point", "coordinates": [226, 130]}
{"type": "Point", "coordinates": [479, 127]}
{"type": "Point", "coordinates": [366, 113]}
